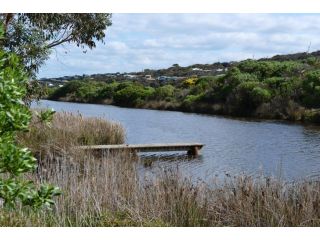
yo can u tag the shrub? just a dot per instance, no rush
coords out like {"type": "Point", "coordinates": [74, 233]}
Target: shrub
{"type": "Point", "coordinates": [274, 82]}
{"type": "Point", "coordinates": [236, 77]}
{"type": "Point", "coordinates": [191, 99]}
{"type": "Point", "coordinates": [17, 160]}
{"type": "Point", "coordinates": [68, 88]}
{"type": "Point", "coordinates": [311, 87]}
{"type": "Point", "coordinates": [260, 95]}
{"type": "Point", "coordinates": [248, 96]}
{"type": "Point", "coordinates": [266, 69]}
{"type": "Point", "coordinates": [88, 91]}
{"type": "Point", "coordinates": [130, 95]}
{"type": "Point", "coordinates": [203, 84]}
{"type": "Point", "coordinates": [190, 81]}
{"type": "Point", "coordinates": [163, 92]}
{"type": "Point", "coordinates": [107, 91]}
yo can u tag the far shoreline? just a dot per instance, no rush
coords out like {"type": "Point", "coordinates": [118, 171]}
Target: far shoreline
{"type": "Point", "coordinates": [181, 110]}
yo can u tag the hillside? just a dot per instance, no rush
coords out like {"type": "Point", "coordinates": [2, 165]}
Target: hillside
{"type": "Point", "coordinates": [282, 87]}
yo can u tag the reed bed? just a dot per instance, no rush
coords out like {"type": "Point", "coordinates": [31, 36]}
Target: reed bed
{"type": "Point", "coordinates": [107, 189]}
{"type": "Point", "coordinates": [67, 130]}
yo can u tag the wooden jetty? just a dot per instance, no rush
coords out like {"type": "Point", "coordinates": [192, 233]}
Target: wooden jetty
{"type": "Point", "coordinates": [191, 148]}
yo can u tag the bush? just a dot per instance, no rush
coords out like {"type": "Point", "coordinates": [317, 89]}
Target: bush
{"type": "Point", "coordinates": [190, 100]}
{"type": "Point", "coordinates": [190, 81]}
{"type": "Point", "coordinates": [132, 94]}
{"type": "Point", "coordinates": [203, 84]}
{"type": "Point", "coordinates": [236, 77]}
{"type": "Point", "coordinates": [260, 95]}
{"type": "Point", "coordinates": [107, 91]}
{"type": "Point", "coordinates": [17, 160]}
{"type": "Point", "coordinates": [163, 92]}
{"type": "Point", "coordinates": [267, 69]}
{"type": "Point", "coordinates": [88, 91]}
{"type": "Point", "coordinates": [68, 88]}
{"type": "Point", "coordinates": [248, 96]}
{"type": "Point", "coordinates": [311, 87]}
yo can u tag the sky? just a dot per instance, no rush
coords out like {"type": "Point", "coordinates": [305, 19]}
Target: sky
{"type": "Point", "coordinates": [139, 41]}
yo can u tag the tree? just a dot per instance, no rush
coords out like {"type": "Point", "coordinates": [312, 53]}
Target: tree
{"type": "Point", "coordinates": [16, 160]}
{"type": "Point", "coordinates": [33, 35]}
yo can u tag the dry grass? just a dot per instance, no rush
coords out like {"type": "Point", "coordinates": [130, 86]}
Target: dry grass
{"type": "Point", "coordinates": [68, 130]}
{"type": "Point", "coordinates": [108, 190]}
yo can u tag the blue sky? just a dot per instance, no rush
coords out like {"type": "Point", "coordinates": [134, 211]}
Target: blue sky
{"type": "Point", "coordinates": [138, 41]}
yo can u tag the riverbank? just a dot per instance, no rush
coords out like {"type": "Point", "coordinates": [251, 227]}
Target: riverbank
{"type": "Point", "coordinates": [286, 90]}
{"type": "Point", "coordinates": [311, 116]}
{"type": "Point", "coordinates": [109, 190]}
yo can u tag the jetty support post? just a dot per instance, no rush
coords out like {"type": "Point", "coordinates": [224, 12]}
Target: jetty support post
{"type": "Point", "coordinates": [193, 151]}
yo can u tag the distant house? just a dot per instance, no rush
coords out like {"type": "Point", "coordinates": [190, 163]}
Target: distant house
{"type": "Point", "coordinates": [196, 69]}
{"type": "Point", "coordinates": [162, 78]}
{"type": "Point", "coordinates": [130, 76]}
{"type": "Point", "coordinates": [167, 78]}
{"type": "Point", "coordinates": [149, 78]}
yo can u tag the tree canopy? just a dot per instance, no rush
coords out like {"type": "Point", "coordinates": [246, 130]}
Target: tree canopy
{"type": "Point", "coordinates": [32, 35]}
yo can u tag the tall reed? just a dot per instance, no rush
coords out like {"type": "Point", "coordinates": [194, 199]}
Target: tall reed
{"type": "Point", "coordinates": [68, 130]}
{"type": "Point", "coordinates": [107, 190]}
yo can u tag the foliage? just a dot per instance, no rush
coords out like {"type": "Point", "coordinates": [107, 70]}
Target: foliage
{"type": "Point", "coordinates": [45, 116]}
{"type": "Point", "coordinates": [69, 88]}
{"type": "Point", "coordinates": [33, 35]}
{"type": "Point", "coordinates": [16, 160]}
{"type": "Point", "coordinates": [190, 81]}
{"type": "Point", "coordinates": [252, 93]}
{"type": "Point", "coordinates": [273, 89]}
{"type": "Point", "coordinates": [107, 91]}
{"type": "Point", "coordinates": [88, 91]}
{"type": "Point", "coordinates": [265, 69]}
{"type": "Point", "coordinates": [132, 94]}
{"type": "Point", "coordinates": [311, 87]}
{"type": "Point", "coordinates": [163, 92]}
{"type": "Point", "coordinates": [191, 99]}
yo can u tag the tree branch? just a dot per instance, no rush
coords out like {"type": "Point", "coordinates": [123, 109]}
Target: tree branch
{"type": "Point", "coordinates": [56, 43]}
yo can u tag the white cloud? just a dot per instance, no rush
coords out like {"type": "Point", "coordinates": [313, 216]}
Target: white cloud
{"type": "Point", "coordinates": [118, 47]}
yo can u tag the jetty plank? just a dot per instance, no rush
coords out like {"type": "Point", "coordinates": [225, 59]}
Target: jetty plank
{"type": "Point", "coordinates": [192, 148]}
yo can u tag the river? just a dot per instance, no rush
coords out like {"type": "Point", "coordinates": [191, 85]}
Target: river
{"type": "Point", "coordinates": [232, 146]}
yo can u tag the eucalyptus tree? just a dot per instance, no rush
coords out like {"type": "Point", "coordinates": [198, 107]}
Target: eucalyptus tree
{"type": "Point", "coordinates": [32, 36]}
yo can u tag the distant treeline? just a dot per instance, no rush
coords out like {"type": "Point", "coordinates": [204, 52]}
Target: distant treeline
{"type": "Point", "coordinates": [273, 89]}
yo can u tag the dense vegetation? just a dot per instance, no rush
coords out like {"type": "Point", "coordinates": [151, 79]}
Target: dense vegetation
{"type": "Point", "coordinates": [16, 190]}
{"type": "Point", "coordinates": [252, 88]}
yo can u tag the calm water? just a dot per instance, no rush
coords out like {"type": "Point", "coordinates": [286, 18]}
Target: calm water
{"type": "Point", "coordinates": [233, 146]}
